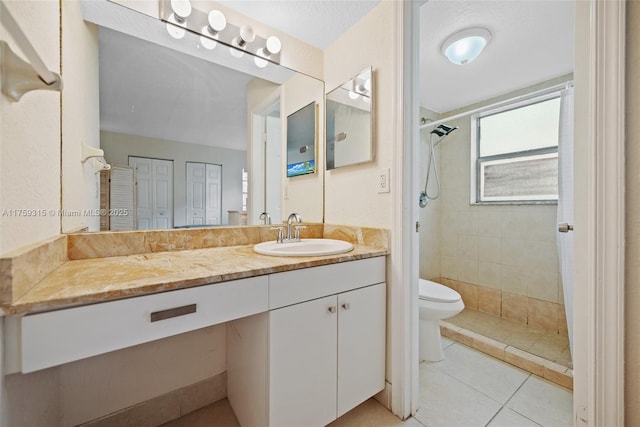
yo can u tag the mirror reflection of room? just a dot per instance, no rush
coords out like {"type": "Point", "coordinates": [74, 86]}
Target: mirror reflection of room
{"type": "Point", "coordinates": [301, 141]}
{"type": "Point", "coordinates": [349, 121]}
{"type": "Point", "coordinates": [185, 136]}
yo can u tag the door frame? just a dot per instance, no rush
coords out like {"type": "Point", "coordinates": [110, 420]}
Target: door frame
{"type": "Point", "coordinates": [599, 78]}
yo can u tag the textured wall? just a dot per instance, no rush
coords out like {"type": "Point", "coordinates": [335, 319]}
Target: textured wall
{"type": "Point", "coordinates": [351, 195]}
{"type": "Point", "coordinates": [30, 137]}
{"type": "Point", "coordinates": [80, 117]}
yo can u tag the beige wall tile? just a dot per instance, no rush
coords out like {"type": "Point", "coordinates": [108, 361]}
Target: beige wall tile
{"type": "Point", "coordinates": [560, 290]}
{"type": "Point", "coordinates": [513, 280]}
{"type": "Point", "coordinates": [543, 255]}
{"type": "Point", "coordinates": [489, 249]}
{"type": "Point", "coordinates": [467, 247]}
{"type": "Point", "coordinates": [449, 267]}
{"type": "Point", "coordinates": [542, 284]}
{"type": "Point", "coordinates": [489, 222]}
{"type": "Point", "coordinates": [514, 224]}
{"type": "Point", "coordinates": [489, 275]}
{"type": "Point", "coordinates": [468, 271]}
{"type": "Point", "coordinates": [490, 300]}
{"type": "Point", "coordinates": [468, 221]}
{"type": "Point", "coordinates": [514, 307]}
{"type": "Point", "coordinates": [543, 314]}
{"type": "Point", "coordinates": [542, 223]}
{"type": "Point", "coordinates": [515, 252]}
{"type": "Point", "coordinates": [469, 293]}
{"type": "Point", "coordinates": [449, 244]}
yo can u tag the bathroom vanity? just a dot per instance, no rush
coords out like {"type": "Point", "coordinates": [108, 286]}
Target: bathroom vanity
{"type": "Point", "coordinates": [305, 335]}
{"type": "Point", "coordinates": [317, 353]}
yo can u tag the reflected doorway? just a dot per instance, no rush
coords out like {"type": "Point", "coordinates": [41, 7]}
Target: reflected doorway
{"type": "Point", "coordinates": [265, 184]}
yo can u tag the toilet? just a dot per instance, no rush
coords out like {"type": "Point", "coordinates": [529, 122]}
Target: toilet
{"type": "Point", "coordinates": [436, 302]}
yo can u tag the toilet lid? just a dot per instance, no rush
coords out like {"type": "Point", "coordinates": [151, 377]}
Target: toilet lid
{"type": "Point", "coordinates": [432, 291]}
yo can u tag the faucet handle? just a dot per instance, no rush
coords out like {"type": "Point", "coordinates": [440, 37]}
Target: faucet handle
{"type": "Point", "coordinates": [297, 229]}
{"type": "Point", "coordinates": [265, 217]}
{"type": "Point", "coordinates": [280, 234]}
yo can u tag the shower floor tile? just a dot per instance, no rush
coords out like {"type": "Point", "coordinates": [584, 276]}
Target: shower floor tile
{"type": "Point", "coordinates": [548, 345]}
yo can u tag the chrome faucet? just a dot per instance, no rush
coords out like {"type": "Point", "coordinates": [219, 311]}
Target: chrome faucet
{"type": "Point", "coordinates": [265, 217]}
{"type": "Point", "coordinates": [298, 219]}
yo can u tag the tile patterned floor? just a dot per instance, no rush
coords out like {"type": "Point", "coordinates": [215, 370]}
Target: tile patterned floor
{"type": "Point", "coordinates": [469, 389]}
{"type": "Point", "coordinates": [466, 389]}
{"type": "Point", "coordinates": [548, 345]}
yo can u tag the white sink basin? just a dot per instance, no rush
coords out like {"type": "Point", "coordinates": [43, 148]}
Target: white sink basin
{"type": "Point", "coordinates": [305, 247]}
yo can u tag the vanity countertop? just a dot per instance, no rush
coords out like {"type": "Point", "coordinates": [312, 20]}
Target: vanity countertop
{"type": "Point", "coordinates": [87, 281]}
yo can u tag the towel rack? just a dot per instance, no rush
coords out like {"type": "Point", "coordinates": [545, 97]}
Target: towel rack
{"type": "Point", "coordinates": [19, 77]}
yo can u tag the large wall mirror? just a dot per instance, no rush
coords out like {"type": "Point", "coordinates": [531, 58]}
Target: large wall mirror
{"type": "Point", "coordinates": [349, 121]}
{"type": "Point", "coordinates": [194, 135]}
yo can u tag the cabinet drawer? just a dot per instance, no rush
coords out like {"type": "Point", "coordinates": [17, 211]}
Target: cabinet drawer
{"type": "Point", "coordinates": [57, 337]}
{"type": "Point", "coordinates": [306, 284]}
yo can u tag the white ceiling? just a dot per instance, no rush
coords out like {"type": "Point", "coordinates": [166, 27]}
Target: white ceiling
{"type": "Point", "coordinates": [316, 22]}
{"type": "Point", "coordinates": [532, 41]}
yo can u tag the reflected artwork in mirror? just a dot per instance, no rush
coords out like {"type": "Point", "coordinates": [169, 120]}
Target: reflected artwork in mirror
{"type": "Point", "coordinates": [349, 122]}
{"type": "Point", "coordinates": [301, 141]}
{"type": "Point", "coordinates": [188, 122]}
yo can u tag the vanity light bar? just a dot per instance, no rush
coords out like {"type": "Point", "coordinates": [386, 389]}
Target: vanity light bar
{"type": "Point", "coordinates": [238, 38]}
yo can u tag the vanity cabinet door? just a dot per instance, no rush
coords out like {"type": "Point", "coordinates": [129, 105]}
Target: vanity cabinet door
{"type": "Point", "coordinates": [302, 374]}
{"type": "Point", "coordinates": [361, 345]}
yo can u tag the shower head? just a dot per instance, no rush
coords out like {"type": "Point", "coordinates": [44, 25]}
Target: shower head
{"type": "Point", "coordinates": [443, 130]}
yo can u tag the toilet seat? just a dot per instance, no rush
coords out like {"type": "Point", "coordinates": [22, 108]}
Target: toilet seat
{"type": "Point", "coordinates": [431, 291]}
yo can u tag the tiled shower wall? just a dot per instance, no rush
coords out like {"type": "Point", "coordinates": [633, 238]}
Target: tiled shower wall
{"type": "Point", "coordinates": [502, 255]}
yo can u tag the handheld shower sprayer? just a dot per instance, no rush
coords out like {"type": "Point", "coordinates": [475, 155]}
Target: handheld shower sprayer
{"type": "Point", "coordinates": [441, 131]}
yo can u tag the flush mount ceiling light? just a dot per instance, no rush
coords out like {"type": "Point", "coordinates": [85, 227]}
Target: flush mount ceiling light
{"type": "Point", "coordinates": [466, 45]}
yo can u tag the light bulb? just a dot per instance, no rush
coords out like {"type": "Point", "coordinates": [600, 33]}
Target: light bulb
{"type": "Point", "coordinates": [205, 38]}
{"type": "Point", "coordinates": [175, 28]}
{"type": "Point", "coordinates": [258, 59]}
{"type": "Point", "coordinates": [217, 21]}
{"type": "Point", "coordinates": [181, 9]}
{"type": "Point", "coordinates": [273, 46]}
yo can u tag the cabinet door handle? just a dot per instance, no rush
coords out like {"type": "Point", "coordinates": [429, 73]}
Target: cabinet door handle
{"type": "Point", "coordinates": [333, 309]}
{"type": "Point", "coordinates": [346, 305]}
{"type": "Point", "coordinates": [172, 312]}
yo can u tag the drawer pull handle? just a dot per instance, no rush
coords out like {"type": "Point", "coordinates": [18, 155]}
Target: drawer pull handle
{"type": "Point", "coordinates": [332, 309]}
{"type": "Point", "coordinates": [173, 312]}
{"type": "Point", "coordinates": [346, 306]}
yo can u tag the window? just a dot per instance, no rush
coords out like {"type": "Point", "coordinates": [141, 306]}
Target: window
{"type": "Point", "coordinates": [517, 153]}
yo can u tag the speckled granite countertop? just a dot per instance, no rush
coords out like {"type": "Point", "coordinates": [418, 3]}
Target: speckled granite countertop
{"type": "Point", "coordinates": [86, 281]}
{"type": "Point", "coordinates": [103, 279]}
